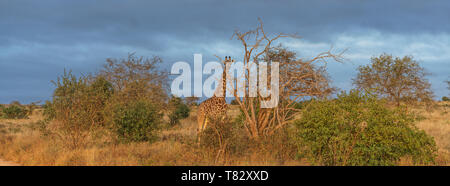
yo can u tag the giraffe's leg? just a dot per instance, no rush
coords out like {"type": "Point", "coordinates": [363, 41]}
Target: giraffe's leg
{"type": "Point", "coordinates": [201, 128]}
{"type": "Point", "coordinates": [205, 123]}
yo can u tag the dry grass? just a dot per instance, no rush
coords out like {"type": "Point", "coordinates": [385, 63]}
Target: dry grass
{"type": "Point", "coordinates": [436, 123]}
{"type": "Point", "coordinates": [22, 142]}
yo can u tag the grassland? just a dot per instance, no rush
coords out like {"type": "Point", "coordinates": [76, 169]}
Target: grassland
{"type": "Point", "coordinates": [22, 141]}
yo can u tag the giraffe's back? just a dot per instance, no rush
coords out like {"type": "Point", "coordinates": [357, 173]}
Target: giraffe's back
{"type": "Point", "coordinates": [215, 106]}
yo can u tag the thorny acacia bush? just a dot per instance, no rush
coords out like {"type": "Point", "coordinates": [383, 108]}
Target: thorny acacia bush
{"type": "Point", "coordinates": [177, 110]}
{"type": "Point", "coordinates": [224, 137]}
{"type": "Point", "coordinates": [76, 107]}
{"type": "Point", "coordinates": [218, 133]}
{"type": "Point", "coordinates": [1, 110]}
{"type": "Point", "coordinates": [357, 129]}
{"type": "Point", "coordinates": [14, 112]}
{"type": "Point", "coordinates": [136, 121]}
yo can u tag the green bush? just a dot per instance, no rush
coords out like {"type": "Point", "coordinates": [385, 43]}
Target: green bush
{"type": "Point", "coordinates": [101, 89]}
{"type": "Point", "coordinates": [1, 110]}
{"type": "Point", "coordinates": [302, 104]}
{"type": "Point", "coordinates": [445, 98]}
{"type": "Point", "coordinates": [234, 102]}
{"type": "Point", "coordinates": [179, 110]}
{"type": "Point", "coordinates": [49, 111]}
{"type": "Point", "coordinates": [136, 121]}
{"type": "Point", "coordinates": [14, 112]}
{"type": "Point", "coordinates": [357, 129]}
{"type": "Point", "coordinates": [77, 107]}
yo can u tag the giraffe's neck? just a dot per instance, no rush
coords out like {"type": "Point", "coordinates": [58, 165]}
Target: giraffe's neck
{"type": "Point", "coordinates": [224, 82]}
{"type": "Point", "coordinates": [223, 86]}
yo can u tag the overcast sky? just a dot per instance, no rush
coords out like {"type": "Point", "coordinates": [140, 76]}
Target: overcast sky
{"type": "Point", "coordinates": [39, 39]}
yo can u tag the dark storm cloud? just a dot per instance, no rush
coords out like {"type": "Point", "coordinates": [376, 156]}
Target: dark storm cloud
{"type": "Point", "coordinates": [38, 39]}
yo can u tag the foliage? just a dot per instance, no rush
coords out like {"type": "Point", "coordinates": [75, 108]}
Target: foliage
{"type": "Point", "coordinates": [221, 137]}
{"type": "Point", "coordinates": [14, 112]}
{"type": "Point", "coordinates": [136, 121]}
{"type": "Point", "coordinates": [77, 106]}
{"type": "Point", "coordinates": [178, 110]}
{"type": "Point", "coordinates": [31, 107]}
{"type": "Point", "coordinates": [1, 110]}
{"type": "Point", "coordinates": [399, 79]}
{"type": "Point", "coordinates": [136, 78]}
{"type": "Point", "coordinates": [357, 129]}
{"type": "Point", "coordinates": [17, 103]}
{"type": "Point", "coordinates": [191, 101]}
{"type": "Point", "coordinates": [217, 132]}
{"type": "Point", "coordinates": [445, 98]}
{"type": "Point", "coordinates": [302, 104]}
{"type": "Point", "coordinates": [49, 112]}
{"type": "Point", "coordinates": [101, 88]}
{"type": "Point", "coordinates": [234, 102]}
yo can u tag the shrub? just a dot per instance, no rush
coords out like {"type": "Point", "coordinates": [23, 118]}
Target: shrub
{"type": "Point", "coordinates": [302, 104]}
{"type": "Point", "coordinates": [32, 107]}
{"type": "Point", "coordinates": [136, 121]}
{"type": "Point", "coordinates": [49, 111]}
{"type": "Point", "coordinates": [101, 89]}
{"type": "Point", "coordinates": [217, 133]}
{"type": "Point", "coordinates": [178, 110]}
{"type": "Point", "coordinates": [77, 107]}
{"type": "Point", "coordinates": [1, 110]}
{"type": "Point", "coordinates": [15, 112]}
{"type": "Point", "coordinates": [445, 98]}
{"type": "Point", "coordinates": [191, 101]}
{"type": "Point", "coordinates": [234, 102]}
{"type": "Point", "coordinates": [220, 137]}
{"type": "Point", "coordinates": [17, 103]}
{"type": "Point", "coordinates": [357, 129]}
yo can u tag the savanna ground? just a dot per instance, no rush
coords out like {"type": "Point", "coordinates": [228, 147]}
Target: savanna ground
{"type": "Point", "coordinates": [23, 142]}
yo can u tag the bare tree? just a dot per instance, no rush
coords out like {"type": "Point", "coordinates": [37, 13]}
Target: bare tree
{"type": "Point", "coordinates": [398, 79]}
{"type": "Point", "coordinates": [298, 79]}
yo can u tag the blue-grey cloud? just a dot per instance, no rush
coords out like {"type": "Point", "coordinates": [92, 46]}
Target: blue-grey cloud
{"type": "Point", "coordinates": [38, 39]}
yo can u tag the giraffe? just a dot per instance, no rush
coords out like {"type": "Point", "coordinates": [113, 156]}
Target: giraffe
{"type": "Point", "coordinates": [214, 106]}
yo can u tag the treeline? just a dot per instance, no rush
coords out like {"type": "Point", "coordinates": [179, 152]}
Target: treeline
{"type": "Point", "coordinates": [15, 110]}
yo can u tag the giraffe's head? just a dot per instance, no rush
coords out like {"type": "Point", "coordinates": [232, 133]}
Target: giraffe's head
{"type": "Point", "coordinates": [228, 60]}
